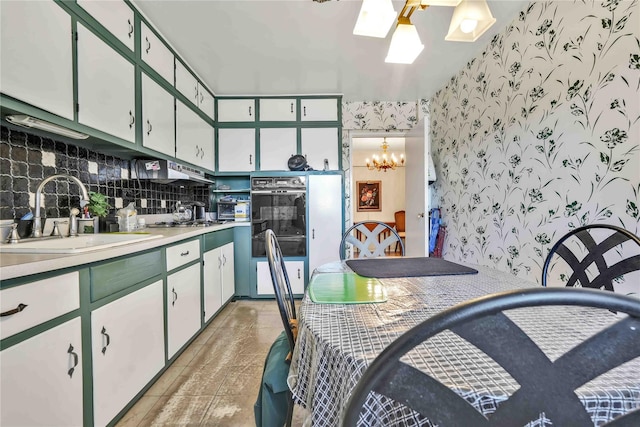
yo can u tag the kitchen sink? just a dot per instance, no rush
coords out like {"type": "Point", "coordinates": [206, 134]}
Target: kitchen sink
{"type": "Point", "coordinates": [72, 245]}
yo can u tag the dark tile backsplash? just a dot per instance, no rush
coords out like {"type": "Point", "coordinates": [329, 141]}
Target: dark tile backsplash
{"type": "Point", "coordinates": [26, 159]}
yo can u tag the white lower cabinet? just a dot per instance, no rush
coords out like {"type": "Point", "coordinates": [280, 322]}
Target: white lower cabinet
{"type": "Point", "coordinates": [219, 278]}
{"type": "Point", "coordinates": [295, 271]}
{"type": "Point", "coordinates": [183, 307]}
{"type": "Point", "coordinates": [41, 379]}
{"type": "Point", "coordinates": [127, 346]}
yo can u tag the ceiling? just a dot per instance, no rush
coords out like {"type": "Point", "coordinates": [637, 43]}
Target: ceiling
{"type": "Point", "coordinates": [277, 47]}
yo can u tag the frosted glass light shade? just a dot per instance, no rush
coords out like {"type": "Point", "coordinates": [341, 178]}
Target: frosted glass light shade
{"type": "Point", "coordinates": [464, 15]}
{"type": "Point", "coordinates": [375, 18]}
{"type": "Point", "coordinates": [405, 45]}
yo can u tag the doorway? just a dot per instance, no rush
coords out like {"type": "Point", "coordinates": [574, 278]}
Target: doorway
{"type": "Point", "coordinates": [383, 192]}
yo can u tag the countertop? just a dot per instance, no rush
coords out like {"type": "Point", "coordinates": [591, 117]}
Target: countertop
{"type": "Point", "coordinates": [14, 265]}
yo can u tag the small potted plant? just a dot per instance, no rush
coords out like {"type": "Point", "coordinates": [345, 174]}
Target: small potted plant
{"type": "Point", "coordinates": [98, 208]}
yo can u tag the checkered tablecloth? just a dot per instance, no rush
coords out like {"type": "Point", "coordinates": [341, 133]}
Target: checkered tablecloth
{"type": "Point", "coordinates": [336, 343]}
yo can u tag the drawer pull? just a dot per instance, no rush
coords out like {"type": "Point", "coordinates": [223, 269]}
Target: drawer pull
{"type": "Point", "coordinates": [184, 253]}
{"type": "Point", "coordinates": [108, 339]}
{"type": "Point", "coordinates": [249, 111]}
{"type": "Point", "coordinates": [298, 273]}
{"type": "Point", "coordinates": [175, 296]}
{"type": "Point", "coordinates": [130, 28]}
{"type": "Point", "coordinates": [304, 109]}
{"type": "Point", "coordinates": [18, 309]}
{"type": "Point", "coordinates": [149, 128]}
{"type": "Point", "coordinates": [292, 107]}
{"type": "Point", "coordinates": [250, 159]}
{"type": "Point", "coordinates": [148, 44]}
{"type": "Point", "coordinates": [75, 360]}
{"type": "Point", "coordinates": [132, 119]}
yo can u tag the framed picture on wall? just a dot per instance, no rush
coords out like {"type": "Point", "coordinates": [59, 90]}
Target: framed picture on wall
{"type": "Point", "coordinates": [369, 196]}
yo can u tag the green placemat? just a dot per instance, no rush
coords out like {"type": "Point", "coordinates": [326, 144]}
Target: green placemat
{"type": "Point", "coordinates": [346, 288]}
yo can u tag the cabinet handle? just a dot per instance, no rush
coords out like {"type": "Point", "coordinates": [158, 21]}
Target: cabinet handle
{"type": "Point", "coordinates": [304, 110]}
{"type": "Point", "coordinates": [132, 119]}
{"type": "Point", "coordinates": [18, 309]}
{"type": "Point", "coordinates": [298, 273]}
{"type": "Point", "coordinates": [184, 253]}
{"type": "Point", "coordinates": [292, 108]}
{"type": "Point", "coordinates": [175, 296]}
{"type": "Point", "coordinates": [313, 233]}
{"type": "Point", "coordinates": [105, 336]}
{"type": "Point", "coordinates": [148, 44]}
{"type": "Point", "coordinates": [130, 28]}
{"type": "Point", "coordinates": [201, 98]}
{"type": "Point", "coordinates": [219, 263]}
{"type": "Point", "coordinates": [149, 127]}
{"type": "Point", "coordinates": [195, 91]}
{"type": "Point", "coordinates": [75, 360]}
{"type": "Point", "coordinates": [250, 159]}
{"type": "Point", "coordinates": [249, 111]}
{"type": "Point", "coordinates": [224, 260]}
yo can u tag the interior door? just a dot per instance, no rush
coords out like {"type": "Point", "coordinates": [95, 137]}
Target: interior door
{"type": "Point", "coordinates": [416, 194]}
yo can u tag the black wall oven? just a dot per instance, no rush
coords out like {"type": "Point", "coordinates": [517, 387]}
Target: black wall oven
{"type": "Point", "coordinates": [279, 204]}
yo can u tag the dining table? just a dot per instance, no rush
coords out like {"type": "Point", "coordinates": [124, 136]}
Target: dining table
{"type": "Point", "coordinates": [338, 339]}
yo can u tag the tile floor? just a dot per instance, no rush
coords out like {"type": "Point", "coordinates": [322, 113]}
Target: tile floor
{"type": "Point", "coordinates": [215, 381]}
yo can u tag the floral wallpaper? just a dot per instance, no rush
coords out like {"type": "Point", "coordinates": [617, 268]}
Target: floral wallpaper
{"type": "Point", "coordinates": [540, 134]}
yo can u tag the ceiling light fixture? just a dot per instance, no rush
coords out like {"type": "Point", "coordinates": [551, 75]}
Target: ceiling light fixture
{"type": "Point", "coordinates": [31, 122]}
{"type": "Point", "coordinates": [405, 43]}
{"type": "Point", "coordinates": [375, 18]}
{"type": "Point", "coordinates": [384, 162]}
{"type": "Point", "coordinates": [471, 18]}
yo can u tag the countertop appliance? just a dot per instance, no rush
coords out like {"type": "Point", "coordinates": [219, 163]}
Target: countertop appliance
{"type": "Point", "coordinates": [166, 172]}
{"type": "Point", "coordinates": [279, 203]}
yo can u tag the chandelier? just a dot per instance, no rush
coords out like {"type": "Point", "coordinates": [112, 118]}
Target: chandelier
{"type": "Point", "coordinates": [384, 162]}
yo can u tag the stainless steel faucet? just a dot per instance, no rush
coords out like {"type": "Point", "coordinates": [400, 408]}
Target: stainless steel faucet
{"type": "Point", "coordinates": [37, 221]}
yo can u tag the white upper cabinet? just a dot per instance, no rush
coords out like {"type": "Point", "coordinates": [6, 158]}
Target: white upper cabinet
{"type": "Point", "coordinates": [277, 145]}
{"type": "Point", "coordinates": [115, 16]}
{"type": "Point", "coordinates": [319, 110]}
{"type": "Point", "coordinates": [37, 62]}
{"type": "Point", "coordinates": [188, 85]}
{"type": "Point", "coordinates": [106, 87]}
{"type": "Point", "coordinates": [278, 110]}
{"type": "Point", "coordinates": [236, 110]}
{"type": "Point", "coordinates": [194, 138]}
{"type": "Point", "coordinates": [156, 54]}
{"type": "Point", "coordinates": [236, 150]}
{"type": "Point", "coordinates": [318, 144]}
{"type": "Point", "coordinates": [158, 121]}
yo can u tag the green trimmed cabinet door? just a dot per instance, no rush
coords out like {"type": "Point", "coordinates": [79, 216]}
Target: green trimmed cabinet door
{"type": "Point", "coordinates": [37, 64]}
{"type": "Point", "coordinates": [127, 348]}
{"type": "Point", "coordinates": [41, 379]}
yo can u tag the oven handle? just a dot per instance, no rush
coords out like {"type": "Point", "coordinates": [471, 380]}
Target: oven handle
{"type": "Point", "coordinates": [277, 191]}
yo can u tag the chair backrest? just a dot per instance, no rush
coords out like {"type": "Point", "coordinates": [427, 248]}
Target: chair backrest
{"type": "Point", "coordinates": [281, 286]}
{"type": "Point", "coordinates": [603, 255]}
{"type": "Point", "coordinates": [371, 238]}
{"type": "Point", "coordinates": [399, 217]}
{"type": "Point", "coordinates": [546, 387]}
